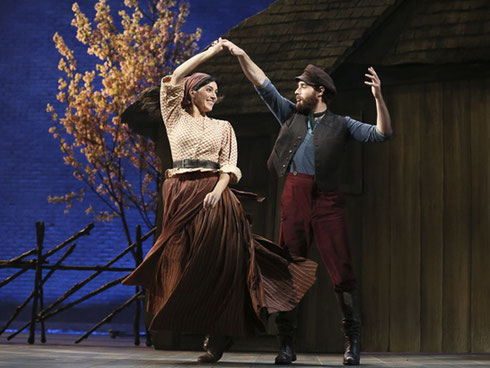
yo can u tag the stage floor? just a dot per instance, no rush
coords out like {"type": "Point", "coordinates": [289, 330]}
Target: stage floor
{"type": "Point", "coordinates": [103, 352]}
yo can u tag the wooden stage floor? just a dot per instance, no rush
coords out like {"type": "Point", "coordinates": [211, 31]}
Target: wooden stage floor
{"type": "Point", "coordinates": [103, 352]}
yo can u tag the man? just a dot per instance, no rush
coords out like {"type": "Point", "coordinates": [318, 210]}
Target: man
{"type": "Point", "coordinates": [308, 151]}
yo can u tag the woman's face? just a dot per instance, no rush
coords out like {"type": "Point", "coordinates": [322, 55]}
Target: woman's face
{"type": "Point", "coordinates": [205, 97]}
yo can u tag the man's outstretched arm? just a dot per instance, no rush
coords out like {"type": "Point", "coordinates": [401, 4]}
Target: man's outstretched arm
{"type": "Point", "coordinates": [251, 70]}
{"type": "Point", "coordinates": [280, 107]}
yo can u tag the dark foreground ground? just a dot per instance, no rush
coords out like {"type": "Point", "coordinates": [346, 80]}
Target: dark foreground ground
{"type": "Point", "coordinates": [103, 352]}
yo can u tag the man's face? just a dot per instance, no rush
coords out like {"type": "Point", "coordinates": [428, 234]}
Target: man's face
{"type": "Point", "coordinates": [306, 98]}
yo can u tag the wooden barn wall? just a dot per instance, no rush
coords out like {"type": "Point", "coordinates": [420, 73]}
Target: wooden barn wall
{"type": "Point", "coordinates": [424, 223]}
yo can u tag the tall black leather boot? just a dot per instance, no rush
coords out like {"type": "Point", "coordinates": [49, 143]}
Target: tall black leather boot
{"type": "Point", "coordinates": [215, 346]}
{"type": "Point", "coordinates": [286, 326]}
{"type": "Point", "coordinates": [351, 323]}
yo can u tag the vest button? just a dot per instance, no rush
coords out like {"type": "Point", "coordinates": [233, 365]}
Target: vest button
{"type": "Point", "coordinates": [283, 165]}
{"type": "Point", "coordinates": [299, 137]}
{"type": "Point", "coordinates": [290, 151]}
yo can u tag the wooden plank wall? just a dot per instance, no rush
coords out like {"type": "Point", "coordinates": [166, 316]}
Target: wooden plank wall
{"type": "Point", "coordinates": [431, 220]}
{"type": "Point", "coordinates": [480, 215]}
{"type": "Point", "coordinates": [425, 228]}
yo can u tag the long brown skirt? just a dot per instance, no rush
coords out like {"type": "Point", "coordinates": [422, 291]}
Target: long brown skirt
{"type": "Point", "coordinates": [207, 273]}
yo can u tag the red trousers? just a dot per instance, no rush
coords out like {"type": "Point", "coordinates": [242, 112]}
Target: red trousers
{"type": "Point", "coordinates": [307, 214]}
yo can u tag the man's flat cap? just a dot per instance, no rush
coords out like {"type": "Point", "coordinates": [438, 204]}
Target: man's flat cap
{"type": "Point", "coordinates": [315, 76]}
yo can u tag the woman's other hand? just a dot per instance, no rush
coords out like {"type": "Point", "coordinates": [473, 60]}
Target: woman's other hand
{"type": "Point", "coordinates": [211, 199]}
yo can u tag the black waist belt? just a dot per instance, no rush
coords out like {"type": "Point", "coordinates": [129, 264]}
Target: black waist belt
{"type": "Point", "coordinates": [192, 164]}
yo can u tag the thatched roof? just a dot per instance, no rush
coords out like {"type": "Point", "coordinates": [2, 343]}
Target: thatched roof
{"type": "Point", "coordinates": [445, 31]}
{"type": "Point", "coordinates": [290, 34]}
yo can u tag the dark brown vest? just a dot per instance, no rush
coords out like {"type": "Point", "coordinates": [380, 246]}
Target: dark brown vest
{"type": "Point", "coordinates": [330, 139]}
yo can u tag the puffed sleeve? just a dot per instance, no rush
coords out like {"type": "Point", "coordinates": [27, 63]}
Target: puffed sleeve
{"type": "Point", "coordinates": [170, 101]}
{"type": "Point", "coordinates": [228, 155]}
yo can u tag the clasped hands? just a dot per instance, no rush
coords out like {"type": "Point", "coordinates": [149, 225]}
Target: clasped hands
{"type": "Point", "coordinates": [221, 43]}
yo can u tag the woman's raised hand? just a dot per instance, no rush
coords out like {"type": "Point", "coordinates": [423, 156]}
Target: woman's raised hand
{"type": "Point", "coordinates": [189, 65]}
{"type": "Point", "coordinates": [216, 46]}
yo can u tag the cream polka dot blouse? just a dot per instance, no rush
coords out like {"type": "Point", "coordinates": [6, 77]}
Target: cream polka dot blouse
{"type": "Point", "coordinates": [201, 138]}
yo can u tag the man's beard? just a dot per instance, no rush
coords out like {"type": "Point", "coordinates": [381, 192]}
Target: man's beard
{"type": "Point", "coordinates": [307, 104]}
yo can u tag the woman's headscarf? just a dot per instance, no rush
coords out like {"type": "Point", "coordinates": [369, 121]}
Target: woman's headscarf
{"type": "Point", "coordinates": [189, 83]}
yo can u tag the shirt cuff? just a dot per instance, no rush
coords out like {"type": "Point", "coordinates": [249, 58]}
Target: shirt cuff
{"type": "Point", "coordinates": [233, 171]}
{"type": "Point", "coordinates": [264, 84]}
{"type": "Point", "coordinates": [385, 136]}
{"type": "Point", "coordinates": [165, 82]}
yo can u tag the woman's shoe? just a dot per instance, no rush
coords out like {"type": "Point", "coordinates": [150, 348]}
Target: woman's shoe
{"type": "Point", "coordinates": [215, 346]}
{"type": "Point", "coordinates": [209, 357]}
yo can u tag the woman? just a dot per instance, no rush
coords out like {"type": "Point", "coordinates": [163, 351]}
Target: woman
{"type": "Point", "coordinates": [207, 272]}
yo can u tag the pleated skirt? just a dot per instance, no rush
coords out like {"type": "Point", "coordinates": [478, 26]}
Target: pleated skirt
{"type": "Point", "coordinates": [208, 273]}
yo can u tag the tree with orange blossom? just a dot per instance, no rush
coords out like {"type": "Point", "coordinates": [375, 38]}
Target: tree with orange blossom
{"type": "Point", "coordinates": [119, 167]}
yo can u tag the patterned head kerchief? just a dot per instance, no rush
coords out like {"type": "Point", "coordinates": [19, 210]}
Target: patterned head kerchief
{"type": "Point", "coordinates": [189, 83]}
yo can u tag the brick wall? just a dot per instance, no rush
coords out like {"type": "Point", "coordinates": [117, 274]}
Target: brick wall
{"type": "Point", "coordinates": [31, 163]}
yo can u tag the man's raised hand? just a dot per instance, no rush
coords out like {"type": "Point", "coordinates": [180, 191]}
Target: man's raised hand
{"type": "Point", "coordinates": [374, 82]}
{"type": "Point", "coordinates": [234, 49]}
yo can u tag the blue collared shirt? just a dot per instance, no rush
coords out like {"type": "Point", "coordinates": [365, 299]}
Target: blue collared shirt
{"type": "Point", "coordinates": [304, 158]}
